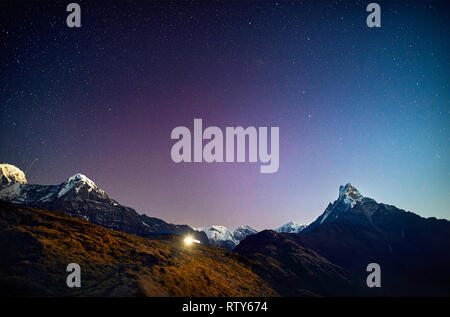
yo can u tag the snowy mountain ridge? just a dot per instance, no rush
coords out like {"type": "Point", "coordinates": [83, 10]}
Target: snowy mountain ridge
{"type": "Point", "coordinates": [221, 236]}
{"type": "Point", "coordinates": [291, 227]}
{"type": "Point", "coordinates": [80, 197]}
{"type": "Point", "coordinates": [77, 182]}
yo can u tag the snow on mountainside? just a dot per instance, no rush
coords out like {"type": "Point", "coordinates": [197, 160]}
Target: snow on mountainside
{"type": "Point", "coordinates": [349, 203]}
{"type": "Point", "coordinates": [32, 194]}
{"type": "Point", "coordinates": [221, 236]}
{"type": "Point", "coordinates": [76, 182]}
{"type": "Point", "coordinates": [217, 233]}
{"type": "Point", "coordinates": [350, 194]}
{"type": "Point", "coordinates": [240, 233]}
{"type": "Point", "coordinates": [291, 227]}
{"type": "Point", "coordinates": [80, 197]}
{"type": "Point", "coordinates": [11, 174]}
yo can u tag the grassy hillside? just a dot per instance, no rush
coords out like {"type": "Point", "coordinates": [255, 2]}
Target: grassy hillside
{"type": "Point", "coordinates": [36, 246]}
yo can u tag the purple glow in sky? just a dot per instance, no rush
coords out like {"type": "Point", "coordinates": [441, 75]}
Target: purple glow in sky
{"type": "Point", "coordinates": [353, 104]}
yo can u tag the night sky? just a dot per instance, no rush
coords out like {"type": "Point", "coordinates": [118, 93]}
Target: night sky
{"type": "Point", "coordinates": [370, 106]}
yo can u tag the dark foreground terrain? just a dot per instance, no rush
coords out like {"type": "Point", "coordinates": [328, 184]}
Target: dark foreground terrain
{"type": "Point", "coordinates": [36, 245]}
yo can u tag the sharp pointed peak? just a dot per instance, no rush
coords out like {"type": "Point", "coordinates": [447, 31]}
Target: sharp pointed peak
{"type": "Point", "coordinates": [76, 182]}
{"type": "Point", "coordinates": [350, 191]}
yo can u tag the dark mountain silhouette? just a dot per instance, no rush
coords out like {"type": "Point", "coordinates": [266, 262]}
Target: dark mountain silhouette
{"type": "Point", "coordinates": [293, 270]}
{"type": "Point", "coordinates": [354, 231]}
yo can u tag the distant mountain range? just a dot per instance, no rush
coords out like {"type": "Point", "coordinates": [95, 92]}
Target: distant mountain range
{"type": "Point", "coordinates": [80, 197]}
{"type": "Point", "coordinates": [222, 237]}
{"type": "Point", "coordinates": [291, 227]}
{"type": "Point", "coordinates": [329, 257]}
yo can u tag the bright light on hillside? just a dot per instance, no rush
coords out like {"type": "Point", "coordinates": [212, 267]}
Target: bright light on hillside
{"type": "Point", "coordinates": [188, 240]}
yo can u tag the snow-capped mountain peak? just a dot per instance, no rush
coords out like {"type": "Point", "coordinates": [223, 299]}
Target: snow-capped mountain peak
{"type": "Point", "coordinates": [77, 181]}
{"type": "Point", "coordinates": [221, 236]}
{"type": "Point", "coordinates": [11, 174]}
{"type": "Point", "coordinates": [291, 227]}
{"type": "Point", "coordinates": [217, 233]}
{"type": "Point", "coordinates": [240, 233]}
{"type": "Point", "coordinates": [78, 177]}
{"type": "Point", "coordinates": [349, 198]}
{"type": "Point", "coordinates": [247, 227]}
{"type": "Point", "coordinates": [349, 194]}
{"type": "Point", "coordinates": [14, 188]}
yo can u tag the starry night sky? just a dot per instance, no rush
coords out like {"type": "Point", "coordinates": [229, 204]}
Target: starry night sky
{"type": "Point", "coordinates": [354, 104]}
